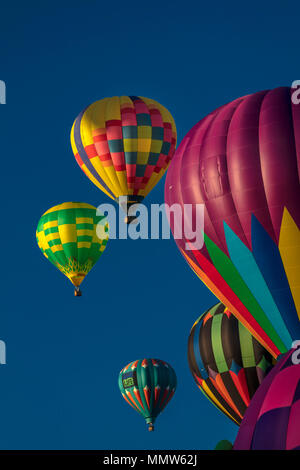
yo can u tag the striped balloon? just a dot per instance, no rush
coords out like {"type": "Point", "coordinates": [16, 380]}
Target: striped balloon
{"type": "Point", "coordinates": [148, 385]}
{"type": "Point", "coordinates": [226, 361]}
{"type": "Point", "coordinates": [67, 236]}
{"type": "Point", "coordinates": [124, 145]}
{"type": "Point", "coordinates": [272, 421]}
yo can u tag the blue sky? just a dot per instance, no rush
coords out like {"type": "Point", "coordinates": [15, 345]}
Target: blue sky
{"type": "Point", "coordinates": [59, 388]}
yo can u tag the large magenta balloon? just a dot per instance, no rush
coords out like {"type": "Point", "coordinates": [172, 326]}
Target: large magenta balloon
{"type": "Point", "coordinates": [273, 418]}
{"type": "Point", "coordinates": [242, 162]}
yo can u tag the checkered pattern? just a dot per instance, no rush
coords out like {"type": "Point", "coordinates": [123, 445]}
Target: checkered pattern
{"type": "Point", "coordinates": [67, 236]}
{"type": "Point", "coordinates": [124, 144]}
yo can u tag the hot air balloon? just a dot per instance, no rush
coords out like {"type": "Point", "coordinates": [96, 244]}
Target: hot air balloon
{"type": "Point", "coordinates": [148, 385]}
{"type": "Point", "coordinates": [68, 236]}
{"type": "Point", "coordinates": [272, 419]}
{"type": "Point", "coordinates": [224, 445]}
{"type": "Point", "coordinates": [242, 162]}
{"type": "Point", "coordinates": [226, 361]}
{"type": "Point", "coordinates": [124, 146]}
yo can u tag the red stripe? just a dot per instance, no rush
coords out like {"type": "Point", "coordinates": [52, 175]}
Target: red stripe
{"type": "Point", "coordinates": [241, 385]}
{"type": "Point", "coordinates": [132, 400]}
{"type": "Point", "coordinates": [162, 405]}
{"type": "Point", "coordinates": [91, 151]}
{"type": "Point", "coordinates": [129, 402]}
{"type": "Point", "coordinates": [119, 167]}
{"type": "Point", "coordinates": [128, 110]}
{"type": "Point", "coordinates": [244, 315]}
{"type": "Point", "coordinates": [105, 157]}
{"type": "Point", "coordinates": [99, 138]}
{"type": "Point", "coordinates": [147, 396]}
{"type": "Point", "coordinates": [113, 122]}
{"type": "Point", "coordinates": [169, 398]}
{"type": "Point", "coordinates": [78, 159]}
{"type": "Point", "coordinates": [154, 111]}
{"type": "Point", "coordinates": [138, 397]}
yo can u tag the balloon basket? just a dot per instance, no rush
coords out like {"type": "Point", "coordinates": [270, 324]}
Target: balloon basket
{"type": "Point", "coordinates": [77, 293]}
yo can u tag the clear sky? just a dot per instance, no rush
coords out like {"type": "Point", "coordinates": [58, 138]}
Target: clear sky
{"type": "Point", "coordinates": [59, 388]}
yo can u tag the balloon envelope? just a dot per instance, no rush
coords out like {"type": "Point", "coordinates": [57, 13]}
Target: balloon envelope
{"type": "Point", "coordinates": [272, 419]}
{"type": "Point", "coordinates": [148, 385]}
{"type": "Point", "coordinates": [242, 162]}
{"type": "Point", "coordinates": [68, 237]}
{"type": "Point", "coordinates": [224, 445]}
{"type": "Point", "coordinates": [124, 145]}
{"type": "Point", "coordinates": [226, 361]}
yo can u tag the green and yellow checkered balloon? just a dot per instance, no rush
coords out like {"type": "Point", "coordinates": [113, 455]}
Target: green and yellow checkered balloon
{"type": "Point", "coordinates": [73, 237]}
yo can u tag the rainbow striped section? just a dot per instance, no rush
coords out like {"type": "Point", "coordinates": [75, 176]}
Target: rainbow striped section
{"type": "Point", "coordinates": [260, 286]}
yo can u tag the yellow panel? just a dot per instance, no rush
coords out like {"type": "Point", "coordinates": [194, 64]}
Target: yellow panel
{"type": "Point", "coordinates": [142, 192]}
{"type": "Point", "coordinates": [130, 145]}
{"type": "Point", "coordinates": [51, 224]}
{"type": "Point", "coordinates": [52, 236]}
{"type": "Point", "coordinates": [156, 146]}
{"type": "Point", "coordinates": [84, 244]}
{"type": "Point", "coordinates": [73, 145]}
{"type": "Point", "coordinates": [122, 177]}
{"type": "Point", "coordinates": [112, 110]}
{"type": "Point", "coordinates": [76, 278]}
{"type": "Point", "coordinates": [144, 132]}
{"type": "Point", "coordinates": [142, 158]}
{"type": "Point", "coordinates": [68, 233]}
{"type": "Point", "coordinates": [289, 247]}
{"type": "Point", "coordinates": [151, 183]}
{"type": "Point", "coordinates": [85, 231]}
{"type": "Point", "coordinates": [84, 220]}
{"type": "Point", "coordinates": [55, 248]}
{"type": "Point", "coordinates": [116, 188]}
{"type": "Point", "coordinates": [42, 241]}
{"type": "Point", "coordinates": [144, 145]}
{"type": "Point", "coordinates": [69, 205]}
{"type": "Point", "coordinates": [93, 118]}
{"type": "Point", "coordinates": [125, 100]}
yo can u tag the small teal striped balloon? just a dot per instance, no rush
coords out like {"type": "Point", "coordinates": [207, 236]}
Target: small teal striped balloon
{"type": "Point", "coordinates": [148, 385]}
